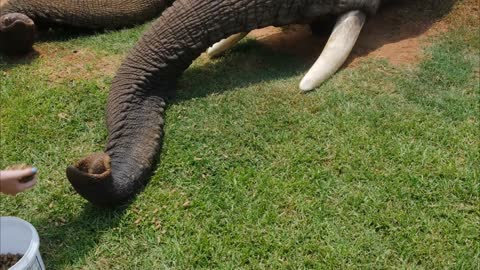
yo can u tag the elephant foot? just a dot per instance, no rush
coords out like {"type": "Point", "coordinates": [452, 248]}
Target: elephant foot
{"type": "Point", "coordinates": [91, 177]}
{"type": "Point", "coordinates": [17, 33]}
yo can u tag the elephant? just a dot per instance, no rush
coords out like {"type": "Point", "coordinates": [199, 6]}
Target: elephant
{"type": "Point", "coordinates": [334, 55]}
{"type": "Point", "coordinates": [19, 17]}
{"type": "Point", "coordinates": [146, 80]}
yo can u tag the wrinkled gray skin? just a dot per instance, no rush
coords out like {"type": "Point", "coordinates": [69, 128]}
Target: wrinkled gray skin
{"type": "Point", "coordinates": [147, 77]}
{"type": "Point", "coordinates": [18, 17]}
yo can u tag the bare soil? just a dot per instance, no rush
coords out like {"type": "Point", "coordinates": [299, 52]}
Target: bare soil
{"type": "Point", "coordinates": [77, 64]}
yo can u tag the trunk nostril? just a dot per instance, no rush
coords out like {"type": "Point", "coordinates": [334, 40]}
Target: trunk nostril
{"type": "Point", "coordinates": [7, 21]}
{"type": "Point", "coordinates": [95, 164]}
{"type": "Point", "coordinates": [97, 168]}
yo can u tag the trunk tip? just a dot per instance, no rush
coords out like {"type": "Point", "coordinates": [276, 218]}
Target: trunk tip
{"type": "Point", "coordinates": [17, 33]}
{"type": "Point", "coordinates": [92, 179]}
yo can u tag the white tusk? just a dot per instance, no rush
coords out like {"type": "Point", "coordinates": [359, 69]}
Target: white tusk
{"type": "Point", "coordinates": [220, 47]}
{"type": "Point", "coordinates": [336, 51]}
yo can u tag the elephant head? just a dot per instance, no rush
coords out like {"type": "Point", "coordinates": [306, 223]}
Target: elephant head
{"type": "Point", "coordinates": [18, 17]}
{"type": "Point", "coordinates": [147, 77]}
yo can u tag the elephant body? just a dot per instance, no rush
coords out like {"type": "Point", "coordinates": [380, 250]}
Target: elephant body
{"type": "Point", "coordinates": [147, 78]}
{"type": "Point", "coordinates": [89, 14]}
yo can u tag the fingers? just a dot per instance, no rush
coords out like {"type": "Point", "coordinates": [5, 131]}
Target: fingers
{"type": "Point", "coordinates": [27, 185]}
{"type": "Point", "coordinates": [15, 181]}
{"type": "Point", "coordinates": [17, 174]}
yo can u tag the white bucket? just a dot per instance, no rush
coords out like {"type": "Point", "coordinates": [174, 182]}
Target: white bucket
{"type": "Point", "coordinates": [19, 237]}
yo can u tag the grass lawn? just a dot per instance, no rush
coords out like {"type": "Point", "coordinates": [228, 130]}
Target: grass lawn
{"type": "Point", "coordinates": [379, 168]}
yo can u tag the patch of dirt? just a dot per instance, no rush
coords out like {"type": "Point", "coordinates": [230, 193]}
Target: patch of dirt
{"type": "Point", "coordinates": [62, 65]}
{"type": "Point", "coordinates": [295, 39]}
{"type": "Point", "coordinates": [398, 33]}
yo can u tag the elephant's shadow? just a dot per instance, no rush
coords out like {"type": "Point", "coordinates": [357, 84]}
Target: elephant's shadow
{"type": "Point", "coordinates": [63, 240]}
{"type": "Point", "coordinates": [46, 34]}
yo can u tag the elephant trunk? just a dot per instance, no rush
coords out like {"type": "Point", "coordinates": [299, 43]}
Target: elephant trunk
{"type": "Point", "coordinates": [85, 13]}
{"type": "Point", "coordinates": [147, 77]}
{"type": "Point", "coordinates": [19, 17]}
{"type": "Point", "coordinates": [114, 177]}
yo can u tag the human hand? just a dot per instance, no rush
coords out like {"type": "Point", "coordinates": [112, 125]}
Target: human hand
{"type": "Point", "coordinates": [15, 181]}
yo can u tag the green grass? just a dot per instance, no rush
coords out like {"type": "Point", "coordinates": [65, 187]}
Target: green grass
{"type": "Point", "coordinates": [379, 168]}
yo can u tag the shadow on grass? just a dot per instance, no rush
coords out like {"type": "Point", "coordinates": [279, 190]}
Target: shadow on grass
{"type": "Point", "coordinates": [64, 244]}
{"type": "Point", "coordinates": [45, 34]}
{"type": "Point", "coordinates": [8, 62]}
{"type": "Point", "coordinates": [247, 64]}
{"type": "Point", "coordinates": [65, 33]}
